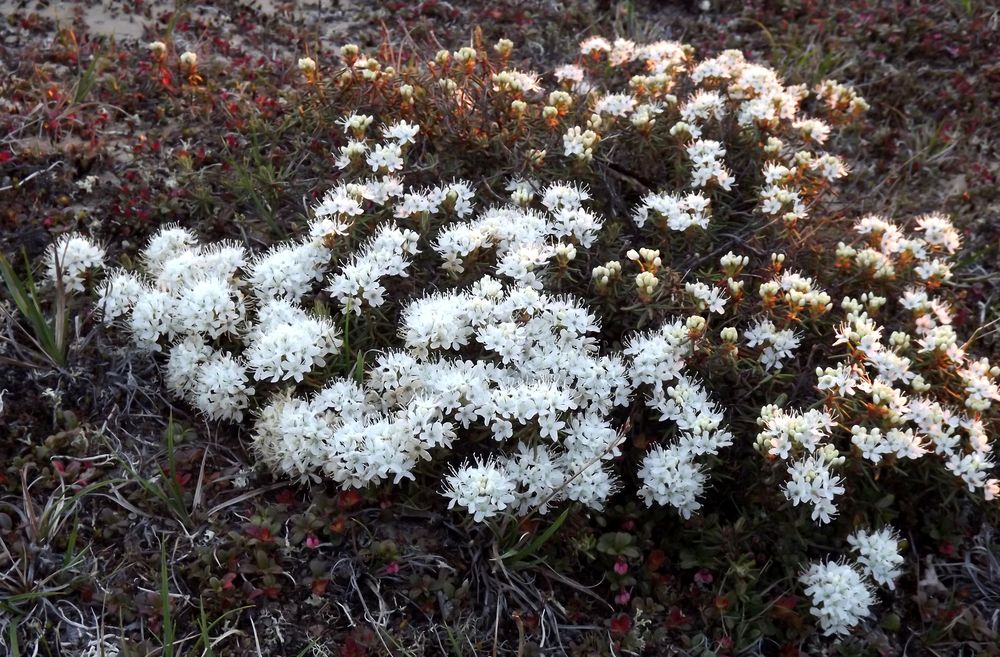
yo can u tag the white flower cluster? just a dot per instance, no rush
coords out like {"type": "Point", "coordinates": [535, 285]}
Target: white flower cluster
{"type": "Point", "coordinates": [893, 412]}
{"type": "Point", "coordinates": [580, 143]}
{"type": "Point", "coordinates": [70, 259]}
{"type": "Point", "coordinates": [498, 358]}
{"type": "Point", "coordinates": [841, 596]}
{"type": "Point", "coordinates": [536, 380]}
{"type": "Point", "coordinates": [890, 252]}
{"type": "Point", "coordinates": [192, 299]}
{"type": "Point", "coordinates": [670, 475]}
{"type": "Point", "coordinates": [798, 293]}
{"type": "Point", "coordinates": [723, 86]}
{"type": "Point", "coordinates": [359, 283]}
{"type": "Point", "coordinates": [524, 239]}
{"type": "Point", "coordinates": [673, 212]}
{"type": "Point", "coordinates": [878, 375]}
{"type": "Point", "coordinates": [383, 158]}
{"type": "Point", "coordinates": [878, 554]}
{"type": "Point", "coordinates": [800, 440]}
{"type": "Point", "coordinates": [777, 344]}
{"type": "Point", "coordinates": [706, 157]}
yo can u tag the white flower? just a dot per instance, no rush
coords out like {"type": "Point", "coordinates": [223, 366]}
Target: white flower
{"type": "Point", "coordinates": [485, 489]}
{"type": "Point", "coordinates": [118, 293]}
{"type": "Point", "coordinates": [707, 298]}
{"type": "Point", "coordinates": [973, 469]}
{"type": "Point", "coordinates": [703, 106]}
{"type": "Point", "coordinates": [338, 203]}
{"type": "Point", "coordinates": [70, 258]}
{"type": "Point", "coordinates": [402, 132]}
{"type": "Point", "coordinates": [152, 319]}
{"type": "Point", "coordinates": [658, 356]}
{"type": "Point", "coordinates": [356, 124]}
{"type": "Point", "coordinates": [539, 475]}
{"type": "Point", "coordinates": [870, 442]}
{"type": "Point", "coordinates": [670, 476]}
{"type": "Point", "coordinates": [580, 143]}
{"type": "Point", "coordinates": [185, 358]}
{"type": "Point", "coordinates": [812, 130]}
{"type": "Point", "coordinates": [840, 597]}
{"type": "Point", "coordinates": [939, 232]}
{"type": "Point", "coordinates": [515, 81]}
{"type": "Point", "coordinates": [168, 242]}
{"type": "Point", "coordinates": [210, 307]}
{"type": "Point", "coordinates": [291, 436]}
{"type": "Point", "coordinates": [288, 270]}
{"type": "Point", "coordinates": [350, 153]}
{"type": "Point", "coordinates": [359, 281]}
{"type": "Point", "coordinates": [785, 431]}
{"type": "Point", "coordinates": [569, 73]}
{"type": "Point", "coordinates": [778, 344]}
{"type": "Point", "coordinates": [615, 104]}
{"type": "Point", "coordinates": [706, 157]}
{"type": "Point", "coordinates": [878, 554]}
{"type": "Point", "coordinates": [594, 45]}
{"type": "Point", "coordinates": [980, 385]}
{"type": "Point", "coordinates": [385, 158]}
{"type": "Point", "coordinates": [289, 351]}
{"type": "Point", "coordinates": [221, 389]}
{"type": "Point", "coordinates": [677, 212]}
{"type": "Point", "coordinates": [810, 481]}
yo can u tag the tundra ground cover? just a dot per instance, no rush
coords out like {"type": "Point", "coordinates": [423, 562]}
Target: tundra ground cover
{"type": "Point", "coordinates": [291, 160]}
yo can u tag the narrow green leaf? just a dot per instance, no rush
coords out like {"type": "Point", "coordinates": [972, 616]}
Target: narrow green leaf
{"type": "Point", "coordinates": [540, 540]}
{"type": "Point", "coordinates": [168, 623]}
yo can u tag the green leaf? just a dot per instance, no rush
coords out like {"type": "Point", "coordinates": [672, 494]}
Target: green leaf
{"type": "Point", "coordinates": [540, 540]}
{"type": "Point", "coordinates": [86, 81]}
{"type": "Point", "coordinates": [168, 623]}
{"type": "Point", "coordinates": [15, 650]}
{"type": "Point", "coordinates": [891, 622]}
{"type": "Point", "coordinates": [48, 336]}
{"type": "Point", "coordinates": [618, 543]}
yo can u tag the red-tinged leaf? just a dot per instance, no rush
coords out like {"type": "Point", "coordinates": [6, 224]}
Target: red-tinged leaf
{"type": "Point", "coordinates": [262, 534]}
{"type": "Point", "coordinates": [348, 499]}
{"type": "Point", "coordinates": [676, 618]}
{"type": "Point", "coordinates": [621, 624]}
{"type": "Point", "coordinates": [655, 559]}
{"type": "Point", "coordinates": [352, 648]}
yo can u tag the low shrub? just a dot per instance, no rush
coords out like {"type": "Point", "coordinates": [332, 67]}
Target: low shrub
{"type": "Point", "coordinates": [636, 283]}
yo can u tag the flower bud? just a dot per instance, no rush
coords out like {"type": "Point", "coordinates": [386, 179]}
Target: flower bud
{"type": "Point", "coordinates": [349, 53]}
{"type": "Point", "coordinates": [695, 324]}
{"type": "Point", "coordinates": [504, 47]}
